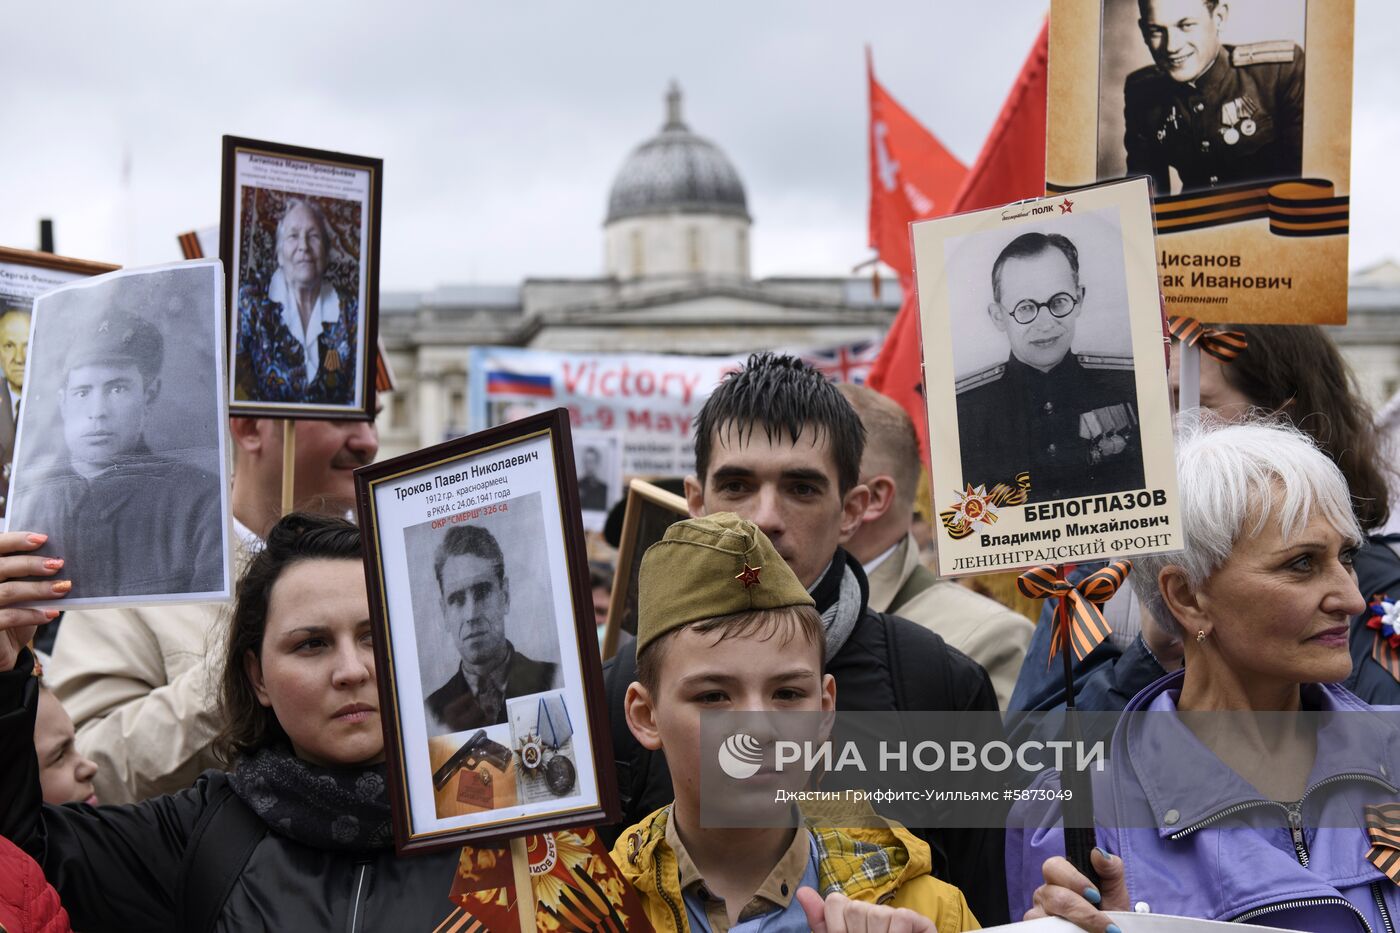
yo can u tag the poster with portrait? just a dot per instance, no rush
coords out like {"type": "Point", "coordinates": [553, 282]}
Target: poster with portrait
{"type": "Point", "coordinates": [649, 511]}
{"type": "Point", "coordinates": [1045, 370]}
{"type": "Point", "coordinates": [485, 640]}
{"type": "Point", "coordinates": [599, 466]}
{"type": "Point", "coordinates": [24, 276]}
{"type": "Point", "coordinates": [299, 236]}
{"type": "Point", "coordinates": [121, 453]}
{"type": "Point", "coordinates": [1240, 113]}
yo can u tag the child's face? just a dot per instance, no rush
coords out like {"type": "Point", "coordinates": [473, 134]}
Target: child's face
{"type": "Point", "coordinates": [745, 674]}
{"type": "Point", "coordinates": [64, 774]}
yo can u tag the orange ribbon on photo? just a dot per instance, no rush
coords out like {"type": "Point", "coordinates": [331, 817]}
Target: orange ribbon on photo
{"type": "Point", "coordinates": [1383, 830]}
{"type": "Point", "coordinates": [1080, 612]}
{"type": "Point", "coordinates": [1224, 345]}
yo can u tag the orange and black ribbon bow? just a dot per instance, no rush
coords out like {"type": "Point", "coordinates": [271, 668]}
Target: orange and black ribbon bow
{"type": "Point", "coordinates": [1383, 830]}
{"type": "Point", "coordinates": [1224, 345]}
{"type": "Point", "coordinates": [1081, 607]}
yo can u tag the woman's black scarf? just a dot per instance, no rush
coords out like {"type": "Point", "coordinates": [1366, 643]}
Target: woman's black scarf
{"type": "Point", "coordinates": [344, 808]}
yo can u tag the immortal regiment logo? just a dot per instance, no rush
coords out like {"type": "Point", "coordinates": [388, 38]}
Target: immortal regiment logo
{"type": "Point", "coordinates": [977, 506]}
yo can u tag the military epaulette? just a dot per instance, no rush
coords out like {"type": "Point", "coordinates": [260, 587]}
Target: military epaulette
{"type": "Point", "coordinates": [1089, 361]}
{"type": "Point", "coordinates": [1263, 53]}
{"type": "Point", "coordinates": [980, 378]}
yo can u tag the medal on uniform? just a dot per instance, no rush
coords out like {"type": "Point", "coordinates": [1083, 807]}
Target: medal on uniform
{"type": "Point", "coordinates": [1247, 126]}
{"type": "Point", "coordinates": [1247, 110]}
{"type": "Point", "coordinates": [1230, 115]}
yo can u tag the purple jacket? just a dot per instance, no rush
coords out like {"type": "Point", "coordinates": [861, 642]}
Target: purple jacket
{"type": "Point", "coordinates": [1197, 840]}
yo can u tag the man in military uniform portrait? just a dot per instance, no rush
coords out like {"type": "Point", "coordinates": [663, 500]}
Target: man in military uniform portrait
{"type": "Point", "coordinates": [126, 520]}
{"type": "Point", "coordinates": [1069, 420]}
{"type": "Point", "coordinates": [14, 345]}
{"type": "Point", "coordinates": [592, 491]}
{"type": "Point", "coordinates": [475, 599]}
{"type": "Point", "coordinates": [1218, 114]}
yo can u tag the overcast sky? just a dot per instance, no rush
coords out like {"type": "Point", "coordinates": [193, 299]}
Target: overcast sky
{"type": "Point", "coordinates": [502, 125]}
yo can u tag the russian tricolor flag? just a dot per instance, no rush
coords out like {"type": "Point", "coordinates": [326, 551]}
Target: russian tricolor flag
{"type": "Point", "coordinates": [499, 382]}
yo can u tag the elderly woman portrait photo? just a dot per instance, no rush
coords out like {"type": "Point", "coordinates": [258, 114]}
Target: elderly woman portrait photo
{"type": "Point", "coordinates": [1248, 786]}
{"type": "Point", "coordinates": [298, 311]}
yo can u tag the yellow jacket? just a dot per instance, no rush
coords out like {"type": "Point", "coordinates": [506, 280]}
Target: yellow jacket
{"type": "Point", "coordinates": [883, 866]}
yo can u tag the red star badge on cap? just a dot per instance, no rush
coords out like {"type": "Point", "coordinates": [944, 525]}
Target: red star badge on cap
{"type": "Point", "coordinates": [1066, 206]}
{"type": "Point", "coordinates": [748, 576]}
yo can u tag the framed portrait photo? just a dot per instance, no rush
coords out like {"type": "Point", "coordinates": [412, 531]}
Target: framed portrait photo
{"type": "Point", "coordinates": [121, 455]}
{"type": "Point", "coordinates": [490, 684]}
{"type": "Point", "coordinates": [24, 276]}
{"type": "Point", "coordinates": [299, 236]}
{"type": "Point", "coordinates": [1045, 370]}
{"type": "Point", "coordinates": [1240, 113]}
{"type": "Point", "coordinates": [649, 511]}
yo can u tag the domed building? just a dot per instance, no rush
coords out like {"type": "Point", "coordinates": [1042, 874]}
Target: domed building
{"type": "Point", "coordinates": [677, 208]}
{"type": "Point", "coordinates": [676, 279]}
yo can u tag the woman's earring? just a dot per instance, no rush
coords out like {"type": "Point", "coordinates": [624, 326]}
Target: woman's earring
{"type": "Point", "coordinates": [1200, 636]}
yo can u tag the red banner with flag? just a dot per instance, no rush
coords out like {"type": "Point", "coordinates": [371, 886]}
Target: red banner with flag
{"type": "Point", "coordinates": [1010, 166]}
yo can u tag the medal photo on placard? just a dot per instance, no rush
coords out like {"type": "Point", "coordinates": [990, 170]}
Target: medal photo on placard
{"type": "Point", "coordinates": [24, 276]}
{"type": "Point", "coordinates": [1049, 420]}
{"type": "Point", "coordinates": [486, 645]}
{"type": "Point", "coordinates": [1240, 113]}
{"type": "Point", "coordinates": [121, 455]}
{"type": "Point", "coordinates": [300, 241]}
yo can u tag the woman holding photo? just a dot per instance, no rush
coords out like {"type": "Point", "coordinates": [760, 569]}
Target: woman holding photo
{"type": "Point", "coordinates": [1207, 808]}
{"type": "Point", "coordinates": [296, 835]}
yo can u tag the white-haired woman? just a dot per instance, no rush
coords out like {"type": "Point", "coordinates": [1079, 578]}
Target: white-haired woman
{"type": "Point", "coordinates": [1207, 808]}
{"type": "Point", "coordinates": [296, 333]}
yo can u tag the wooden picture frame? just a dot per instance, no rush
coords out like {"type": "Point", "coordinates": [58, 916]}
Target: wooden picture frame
{"type": "Point", "coordinates": [484, 638]}
{"type": "Point", "coordinates": [337, 198]}
{"type": "Point", "coordinates": [650, 510]}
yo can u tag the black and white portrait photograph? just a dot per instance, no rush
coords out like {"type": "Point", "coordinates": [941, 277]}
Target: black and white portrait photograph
{"type": "Point", "coordinates": [490, 681]}
{"type": "Point", "coordinates": [484, 616]}
{"type": "Point", "coordinates": [301, 240]}
{"type": "Point", "coordinates": [1045, 378]}
{"type": "Point", "coordinates": [121, 455]}
{"type": "Point", "coordinates": [599, 475]}
{"type": "Point", "coordinates": [1043, 351]}
{"type": "Point", "coordinates": [1200, 94]}
{"type": "Point", "coordinates": [25, 275]}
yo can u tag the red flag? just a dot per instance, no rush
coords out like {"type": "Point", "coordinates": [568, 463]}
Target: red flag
{"type": "Point", "coordinates": [911, 176]}
{"type": "Point", "coordinates": [1010, 166]}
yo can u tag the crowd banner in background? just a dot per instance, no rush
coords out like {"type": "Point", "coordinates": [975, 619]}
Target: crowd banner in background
{"type": "Point", "coordinates": [299, 236]}
{"type": "Point", "coordinates": [632, 414]}
{"type": "Point", "coordinates": [24, 276]}
{"type": "Point", "coordinates": [1045, 370]}
{"type": "Point", "coordinates": [1241, 116]}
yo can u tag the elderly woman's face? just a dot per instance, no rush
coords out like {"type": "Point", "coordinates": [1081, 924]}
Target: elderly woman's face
{"type": "Point", "coordinates": [1280, 608]}
{"type": "Point", "coordinates": [301, 248]}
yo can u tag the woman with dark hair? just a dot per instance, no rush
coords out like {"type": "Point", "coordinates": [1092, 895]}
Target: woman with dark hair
{"type": "Point", "coordinates": [1294, 373]}
{"type": "Point", "coordinates": [296, 835]}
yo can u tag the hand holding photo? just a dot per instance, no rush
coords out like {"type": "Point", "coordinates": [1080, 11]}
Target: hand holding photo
{"type": "Point", "coordinates": [121, 456]}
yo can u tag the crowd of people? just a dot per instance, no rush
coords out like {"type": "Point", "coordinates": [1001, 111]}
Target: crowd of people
{"type": "Point", "coordinates": [226, 769]}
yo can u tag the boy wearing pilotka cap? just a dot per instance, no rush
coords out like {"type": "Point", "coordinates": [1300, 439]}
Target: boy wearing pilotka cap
{"type": "Point", "coordinates": [724, 625]}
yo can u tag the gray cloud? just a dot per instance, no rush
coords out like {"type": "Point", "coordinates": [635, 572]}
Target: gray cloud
{"type": "Point", "coordinates": [502, 125]}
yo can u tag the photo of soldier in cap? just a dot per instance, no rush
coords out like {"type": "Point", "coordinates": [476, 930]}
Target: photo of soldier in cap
{"type": "Point", "coordinates": [1036, 392]}
{"type": "Point", "coordinates": [119, 451]}
{"type": "Point", "coordinates": [1201, 94]}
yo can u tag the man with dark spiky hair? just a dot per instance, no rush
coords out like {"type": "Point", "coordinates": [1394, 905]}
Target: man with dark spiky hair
{"type": "Point", "coordinates": [780, 446]}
